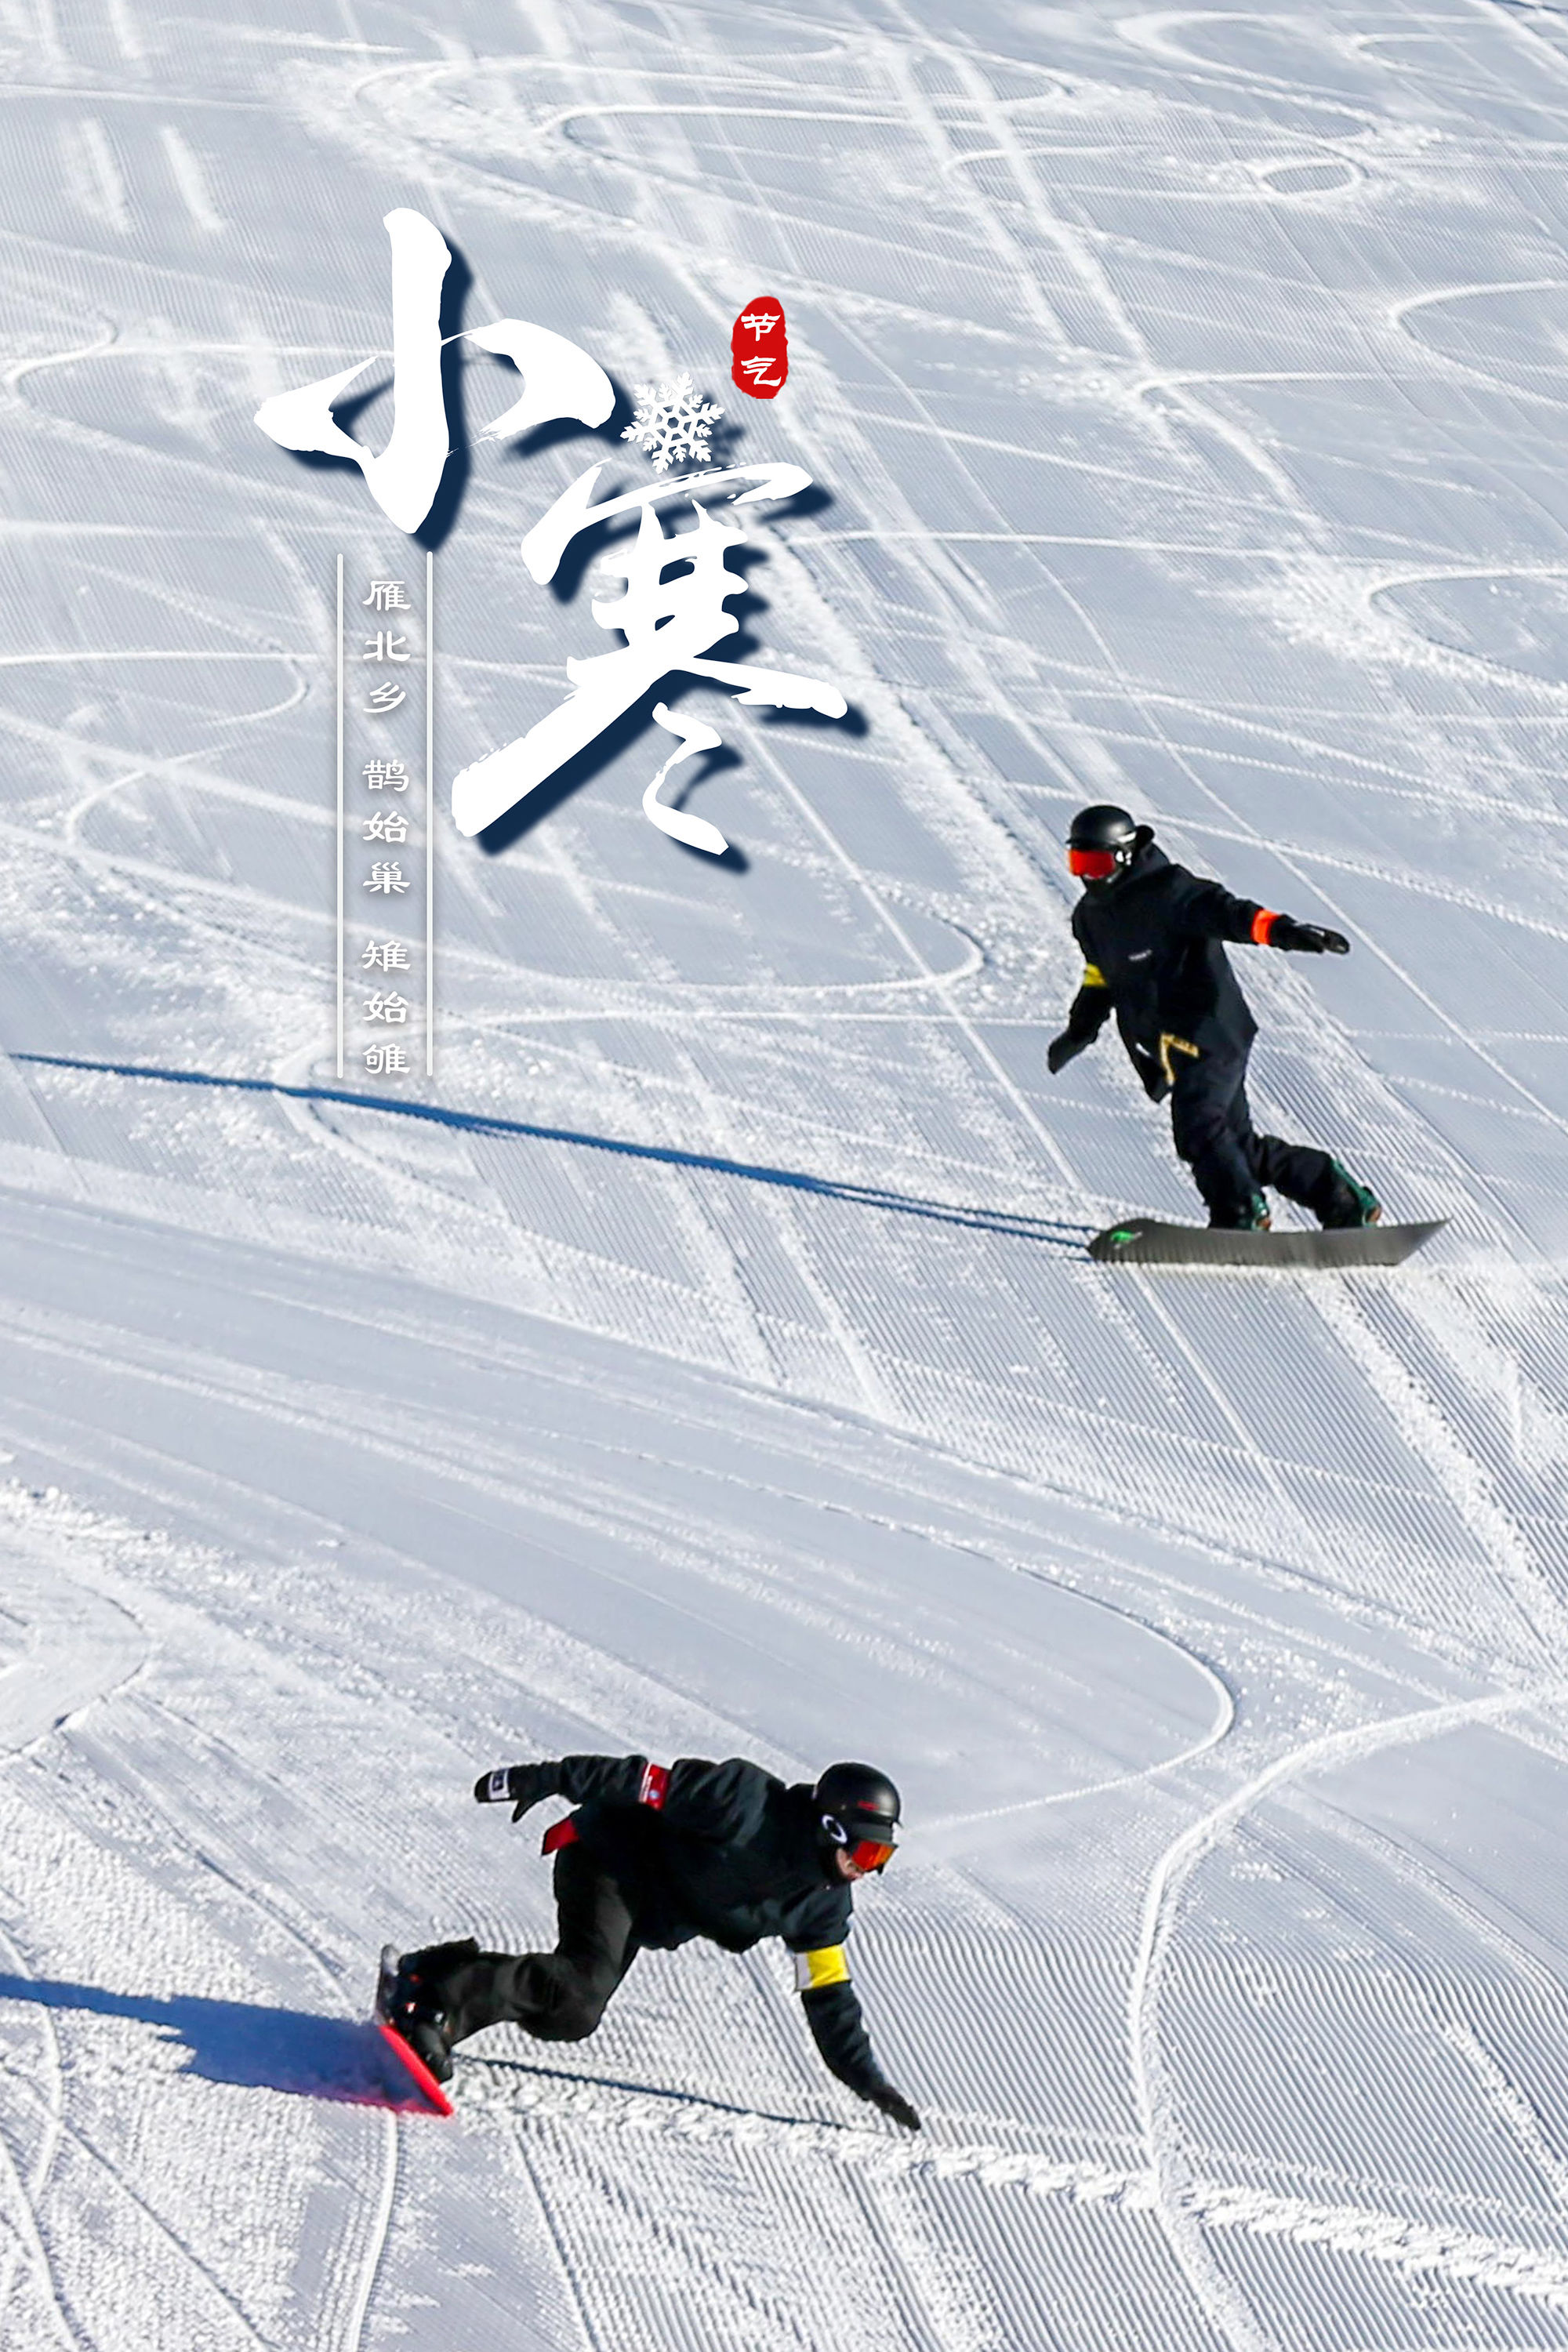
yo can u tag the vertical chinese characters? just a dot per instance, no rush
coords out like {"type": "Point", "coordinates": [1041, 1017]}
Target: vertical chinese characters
{"type": "Point", "coordinates": [383, 821]}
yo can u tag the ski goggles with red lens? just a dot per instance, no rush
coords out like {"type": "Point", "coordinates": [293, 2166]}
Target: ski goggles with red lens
{"type": "Point", "coordinates": [1092, 865]}
{"type": "Point", "coordinates": [866, 1854]}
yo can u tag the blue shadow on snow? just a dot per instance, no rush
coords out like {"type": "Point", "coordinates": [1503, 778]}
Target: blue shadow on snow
{"type": "Point", "coordinates": [255, 2048]}
{"type": "Point", "coordinates": [246, 2044]}
{"type": "Point", "coordinates": [1052, 1231]}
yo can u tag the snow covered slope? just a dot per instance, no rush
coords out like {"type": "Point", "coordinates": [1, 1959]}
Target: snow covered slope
{"type": "Point", "coordinates": [707, 1362]}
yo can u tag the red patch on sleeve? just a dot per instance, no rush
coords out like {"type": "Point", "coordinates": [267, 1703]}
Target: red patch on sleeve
{"type": "Point", "coordinates": [655, 1784]}
{"type": "Point", "coordinates": [759, 349]}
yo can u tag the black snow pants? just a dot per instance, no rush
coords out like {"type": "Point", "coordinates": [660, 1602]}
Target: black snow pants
{"type": "Point", "coordinates": [1210, 1125]}
{"type": "Point", "coordinates": [557, 1996]}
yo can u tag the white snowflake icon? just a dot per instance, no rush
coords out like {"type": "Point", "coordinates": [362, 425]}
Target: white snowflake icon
{"type": "Point", "coordinates": [672, 422]}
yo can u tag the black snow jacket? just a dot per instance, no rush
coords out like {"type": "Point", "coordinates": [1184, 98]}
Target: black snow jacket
{"type": "Point", "coordinates": [727, 1851]}
{"type": "Point", "coordinates": [1154, 955]}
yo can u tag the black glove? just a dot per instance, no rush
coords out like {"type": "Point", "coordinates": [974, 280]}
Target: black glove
{"type": "Point", "coordinates": [893, 2103]}
{"type": "Point", "coordinates": [1062, 1050]}
{"type": "Point", "coordinates": [1305, 938]}
{"type": "Point", "coordinates": [519, 1786]}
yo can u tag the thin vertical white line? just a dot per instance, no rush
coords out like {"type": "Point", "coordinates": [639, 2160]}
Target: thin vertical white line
{"type": "Point", "coordinates": [429, 813]}
{"type": "Point", "coordinates": [340, 814]}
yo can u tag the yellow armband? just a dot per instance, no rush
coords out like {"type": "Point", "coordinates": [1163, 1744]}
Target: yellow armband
{"type": "Point", "coordinates": [825, 1968]}
{"type": "Point", "coordinates": [1093, 977]}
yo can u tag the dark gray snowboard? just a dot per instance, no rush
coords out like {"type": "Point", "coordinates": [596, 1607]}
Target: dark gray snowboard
{"type": "Point", "coordinates": [1143, 1241]}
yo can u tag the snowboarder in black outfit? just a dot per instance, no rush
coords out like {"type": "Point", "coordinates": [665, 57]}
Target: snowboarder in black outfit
{"type": "Point", "coordinates": [654, 1856]}
{"type": "Point", "coordinates": [1152, 938]}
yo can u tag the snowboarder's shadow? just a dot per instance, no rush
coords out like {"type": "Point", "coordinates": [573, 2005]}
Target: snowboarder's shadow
{"type": "Point", "coordinates": [247, 2043]}
{"type": "Point", "coordinates": [535, 2070]}
{"type": "Point", "coordinates": [253, 2047]}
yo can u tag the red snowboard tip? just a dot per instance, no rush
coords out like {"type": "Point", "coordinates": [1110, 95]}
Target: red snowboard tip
{"type": "Point", "coordinates": [412, 2064]}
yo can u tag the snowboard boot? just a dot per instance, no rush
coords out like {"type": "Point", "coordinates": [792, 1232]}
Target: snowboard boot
{"type": "Point", "coordinates": [1349, 1203]}
{"type": "Point", "coordinates": [1249, 1216]}
{"type": "Point", "coordinates": [419, 2007]}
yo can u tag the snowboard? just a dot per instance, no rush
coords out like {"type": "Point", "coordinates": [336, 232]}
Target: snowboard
{"type": "Point", "coordinates": [1143, 1241]}
{"type": "Point", "coordinates": [408, 2057]}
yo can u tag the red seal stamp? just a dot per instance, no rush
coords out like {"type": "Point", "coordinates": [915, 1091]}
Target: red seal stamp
{"type": "Point", "coordinates": [759, 349]}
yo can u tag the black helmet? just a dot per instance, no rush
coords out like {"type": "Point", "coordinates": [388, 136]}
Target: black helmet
{"type": "Point", "coordinates": [1102, 842]}
{"type": "Point", "coordinates": [857, 1804]}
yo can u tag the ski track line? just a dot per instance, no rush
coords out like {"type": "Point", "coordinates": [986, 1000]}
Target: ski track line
{"type": "Point", "coordinates": [191, 2260]}
{"type": "Point", "coordinates": [203, 1857]}
{"type": "Point", "coordinates": [1521, 31]}
{"type": "Point", "coordinates": [207, 1761]}
{"type": "Point", "coordinates": [749, 2289]}
{"type": "Point", "coordinates": [1436, 1999]}
{"type": "Point", "coordinates": [594, 2108]}
{"type": "Point", "coordinates": [49, 2144]}
{"type": "Point", "coordinates": [146, 883]}
{"type": "Point", "coordinates": [1509, 2103]}
{"type": "Point", "coordinates": [919, 2297]}
{"type": "Point", "coordinates": [1224, 1721]}
{"type": "Point", "coordinates": [700, 2255]}
{"type": "Point", "coordinates": [301, 1650]}
{"type": "Point", "coordinates": [456, 1448]}
{"type": "Point", "coordinates": [95, 1346]}
{"type": "Point", "coordinates": [81, 1660]}
{"type": "Point", "coordinates": [568, 2277]}
{"type": "Point", "coordinates": [584, 1502]}
{"type": "Point", "coordinates": [59, 2121]}
{"type": "Point", "coordinates": [203, 1862]}
{"type": "Point", "coordinates": [32, 2249]}
{"type": "Point", "coordinates": [922, 1450]}
{"type": "Point", "coordinates": [1464, 1037]}
{"type": "Point", "coordinates": [161, 882]}
{"type": "Point", "coordinates": [598, 1683]}
{"type": "Point", "coordinates": [379, 2232]}
{"type": "Point", "coordinates": [1460, 1469]}
{"type": "Point", "coordinates": [1412, 2248]}
{"type": "Point", "coordinates": [69, 1697]}
{"type": "Point", "coordinates": [1440, 888]}
{"type": "Point", "coordinates": [206, 1860]}
{"type": "Point", "coordinates": [304, 1411]}
{"type": "Point", "coordinates": [369, 2262]}
{"type": "Point", "coordinates": [620, 1518]}
{"type": "Point", "coordinates": [1222, 2301]}
{"type": "Point", "coordinates": [1454, 1991]}
{"type": "Point", "coordinates": [28, 2228]}
{"type": "Point", "coordinates": [1406, 1862]}
{"type": "Point", "coordinates": [1077, 247]}
{"type": "Point", "coordinates": [454, 1441]}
